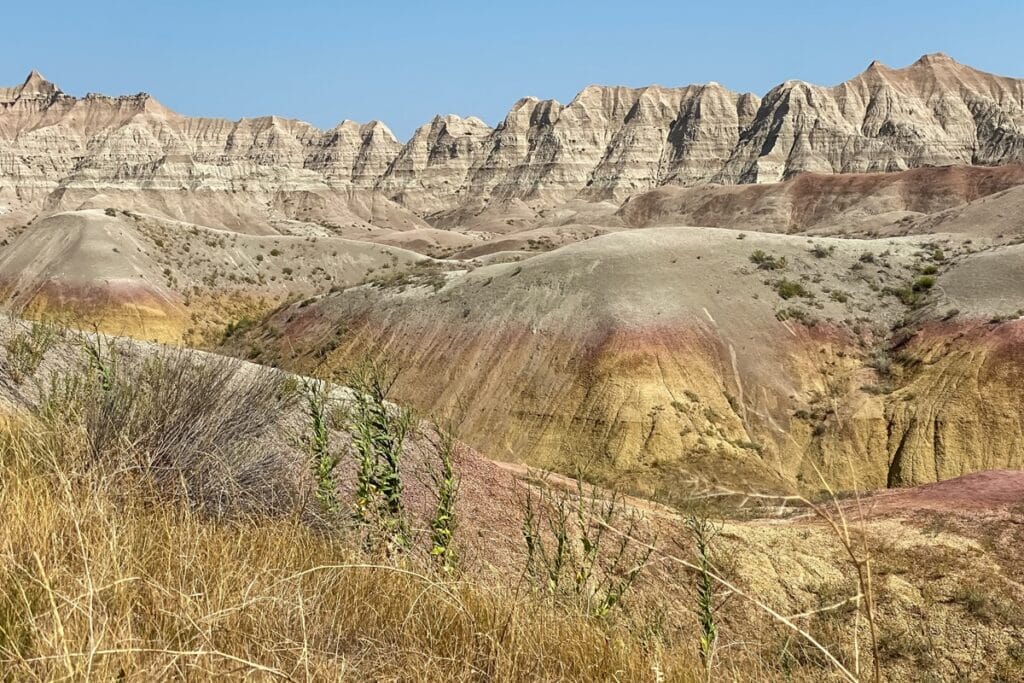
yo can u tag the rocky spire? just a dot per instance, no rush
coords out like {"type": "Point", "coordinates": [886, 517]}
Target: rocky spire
{"type": "Point", "coordinates": [34, 87]}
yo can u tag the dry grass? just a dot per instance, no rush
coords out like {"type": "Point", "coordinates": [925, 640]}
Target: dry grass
{"type": "Point", "coordinates": [143, 539]}
{"type": "Point", "coordinates": [196, 424]}
{"type": "Point", "coordinates": [97, 584]}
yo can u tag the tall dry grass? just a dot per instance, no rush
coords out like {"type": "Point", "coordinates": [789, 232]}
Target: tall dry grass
{"type": "Point", "coordinates": [118, 560]}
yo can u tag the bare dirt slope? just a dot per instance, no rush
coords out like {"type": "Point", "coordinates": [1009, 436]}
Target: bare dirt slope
{"type": "Point", "coordinates": [998, 216]}
{"type": "Point", "coordinates": [848, 203]}
{"type": "Point", "coordinates": [155, 278]}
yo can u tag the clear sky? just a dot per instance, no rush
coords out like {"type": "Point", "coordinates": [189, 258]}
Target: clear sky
{"type": "Point", "coordinates": [403, 62]}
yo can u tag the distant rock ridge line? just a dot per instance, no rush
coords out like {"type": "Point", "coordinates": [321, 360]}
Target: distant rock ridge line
{"type": "Point", "coordinates": [608, 143]}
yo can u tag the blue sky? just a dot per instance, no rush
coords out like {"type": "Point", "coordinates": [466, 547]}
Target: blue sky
{"type": "Point", "coordinates": [402, 62]}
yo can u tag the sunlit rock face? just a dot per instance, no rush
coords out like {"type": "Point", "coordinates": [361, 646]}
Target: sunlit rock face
{"type": "Point", "coordinates": [605, 145]}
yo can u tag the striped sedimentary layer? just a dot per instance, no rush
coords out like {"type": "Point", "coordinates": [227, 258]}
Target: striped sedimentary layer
{"type": "Point", "coordinates": [658, 355]}
{"type": "Point", "coordinates": [959, 407]}
{"type": "Point", "coordinates": [606, 144]}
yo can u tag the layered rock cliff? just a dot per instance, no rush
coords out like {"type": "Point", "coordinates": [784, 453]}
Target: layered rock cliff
{"type": "Point", "coordinates": [605, 145]}
{"type": "Point", "coordinates": [658, 356]}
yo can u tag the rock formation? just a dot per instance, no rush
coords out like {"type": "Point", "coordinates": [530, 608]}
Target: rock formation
{"type": "Point", "coordinates": [57, 151]}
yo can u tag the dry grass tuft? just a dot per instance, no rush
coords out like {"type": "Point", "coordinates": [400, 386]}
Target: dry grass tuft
{"type": "Point", "coordinates": [196, 425]}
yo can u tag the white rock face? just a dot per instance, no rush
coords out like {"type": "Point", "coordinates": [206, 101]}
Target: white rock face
{"type": "Point", "coordinates": [431, 170]}
{"type": "Point", "coordinates": [605, 145]}
{"type": "Point", "coordinates": [935, 112]}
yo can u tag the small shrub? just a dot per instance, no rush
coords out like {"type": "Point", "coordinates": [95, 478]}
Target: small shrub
{"type": "Point", "coordinates": [924, 283]}
{"type": "Point", "coordinates": [323, 461]}
{"type": "Point", "coordinates": [787, 289]}
{"type": "Point", "coordinates": [765, 261]}
{"type": "Point", "coordinates": [908, 296]}
{"type": "Point", "coordinates": [795, 313]}
{"type": "Point", "coordinates": [702, 534]}
{"type": "Point", "coordinates": [820, 251]}
{"type": "Point", "coordinates": [881, 362]}
{"type": "Point", "coordinates": [444, 484]}
{"type": "Point", "coordinates": [239, 326]}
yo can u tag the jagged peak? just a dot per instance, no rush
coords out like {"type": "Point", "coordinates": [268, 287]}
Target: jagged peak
{"type": "Point", "coordinates": [600, 91]}
{"type": "Point", "coordinates": [365, 131]}
{"type": "Point", "coordinates": [526, 110]}
{"type": "Point", "coordinates": [453, 123]}
{"type": "Point", "coordinates": [475, 121]}
{"type": "Point", "coordinates": [377, 127]}
{"type": "Point", "coordinates": [36, 80]}
{"type": "Point", "coordinates": [34, 86]}
{"type": "Point", "coordinates": [790, 85]}
{"type": "Point", "coordinates": [530, 103]}
{"type": "Point", "coordinates": [627, 94]}
{"type": "Point", "coordinates": [875, 72]}
{"type": "Point", "coordinates": [717, 88]}
{"type": "Point", "coordinates": [936, 59]}
{"type": "Point", "coordinates": [345, 124]}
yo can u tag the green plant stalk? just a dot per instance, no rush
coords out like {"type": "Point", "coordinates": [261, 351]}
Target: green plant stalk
{"type": "Point", "coordinates": [322, 459]}
{"type": "Point", "coordinates": [379, 436]}
{"type": "Point", "coordinates": [703, 532]}
{"type": "Point", "coordinates": [445, 484]}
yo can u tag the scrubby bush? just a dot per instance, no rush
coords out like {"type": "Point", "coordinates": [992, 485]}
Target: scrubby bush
{"type": "Point", "coordinates": [323, 459]}
{"type": "Point", "coordinates": [765, 261]}
{"type": "Point", "coordinates": [444, 484]}
{"type": "Point", "coordinates": [821, 251]}
{"type": "Point", "coordinates": [787, 289]}
{"type": "Point", "coordinates": [566, 557]}
{"type": "Point", "coordinates": [924, 283]}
